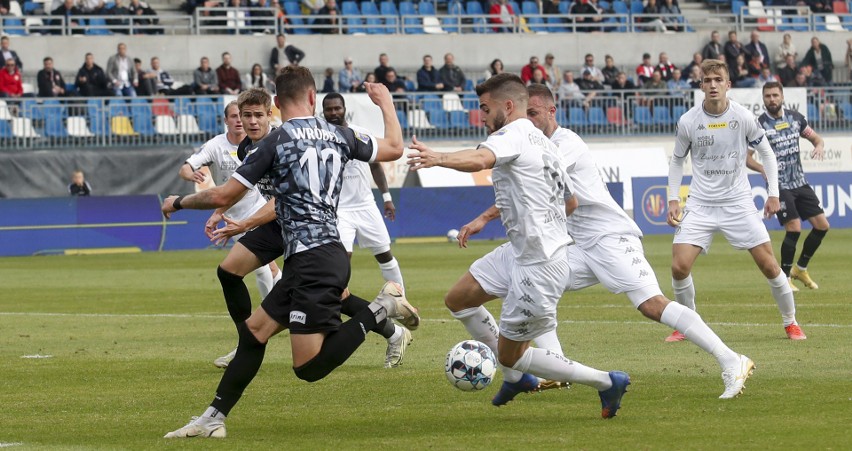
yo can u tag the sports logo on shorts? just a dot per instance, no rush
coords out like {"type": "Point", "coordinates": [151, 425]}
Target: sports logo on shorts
{"type": "Point", "coordinates": [734, 125]}
{"type": "Point", "coordinates": [654, 205]}
{"type": "Point", "coordinates": [297, 317]}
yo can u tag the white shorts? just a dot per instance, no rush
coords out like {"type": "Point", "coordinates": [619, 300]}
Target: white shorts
{"type": "Point", "coordinates": [367, 225]}
{"type": "Point", "coordinates": [742, 225]}
{"type": "Point", "coordinates": [529, 308]}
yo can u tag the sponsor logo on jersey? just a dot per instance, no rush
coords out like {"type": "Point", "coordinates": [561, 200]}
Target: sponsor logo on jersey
{"type": "Point", "coordinates": [717, 125]}
{"type": "Point", "coordinates": [500, 132]}
{"type": "Point", "coordinates": [297, 317]}
{"type": "Point", "coordinates": [704, 141]}
{"type": "Point", "coordinates": [782, 126]}
{"type": "Point", "coordinates": [734, 125]}
{"type": "Point", "coordinates": [363, 137]}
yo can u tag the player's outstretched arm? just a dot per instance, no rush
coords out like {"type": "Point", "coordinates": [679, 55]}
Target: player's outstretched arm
{"type": "Point", "coordinates": [819, 145]}
{"type": "Point", "coordinates": [391, 146]}
{"type": "Point", "coordinates": [471, 160]}
{"type": "Point", "coordinates": [235, 227]}
{"type": "Point", "coordinates": [378, 173]}
{"type": "Point", "coordinates": [187, 173]}
{"type": "Point", "coordinates": [476, 226]}
{"type": "Point", "coordinates": [221, 196]}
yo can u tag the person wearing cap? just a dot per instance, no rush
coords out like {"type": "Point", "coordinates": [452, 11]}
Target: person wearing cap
{"type": "Point", "coordinates": [645, 70]}
{"type": "Point", "coordinates": [551, 71]}
{"type": "Point", "coordinates": [590, 86]}
{"type": "Point", "coordinates": [349, 78]}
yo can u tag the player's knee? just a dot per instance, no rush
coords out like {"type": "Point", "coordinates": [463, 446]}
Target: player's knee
{"type": "Point", "coordinates": [653, 307]}
{"type": "Point", "coordinates": [680, 271]}
{"type": "Point", "coordinates": [453, 301]}
{"type": "Point", "coordinates": [310, 372]}
{"type": "Point", "coordinates": [508, 361]}
{"type": "Point", "coordinates": [227, 276]}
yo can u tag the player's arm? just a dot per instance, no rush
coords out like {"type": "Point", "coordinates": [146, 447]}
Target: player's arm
{"type": "Point", "coordinates": [819, 144]}
{"type": "Point", "coordinates": [220, 196]}
{"type": "Point", "coordinates": [471, 160]}
{"type": "Point", "coordinates": [235, 227]}
{"type": "Point", "coordinates": [752, 164]}
{"type": "Point", "coordinates": [682, 146]}
{"type": "Point", "coordinates": [382, 183]}
{"type": "Point", "coordinates": [391, 146]}
{"type": "Point", "coordinates": [478, 223]}
{"type": "Point", "coordinates": [191, 175]}
{"type": "Point", "coordinates": [770, 170]}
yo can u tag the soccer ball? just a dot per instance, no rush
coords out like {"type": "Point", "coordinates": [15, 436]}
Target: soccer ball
{"type": "Point", "coordinates": [452, 235]}
{"type": "Point", "coordinates": [470, 365]}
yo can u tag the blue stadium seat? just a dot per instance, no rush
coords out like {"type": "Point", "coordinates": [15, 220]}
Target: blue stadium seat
{"type": "Point", "coordinates": [451, 23]}
{"type": "Point", "coordinates": [846, 111]}
{"type": "Point", "coordinates": [536, 24]}
{"type": "Point", "coordinates": [561, 117]}
{"type": "Point", "coordinates": [374, 20]}
{"type": "Point", "coordinates": [54, 126]}
{"type": "Point", "coordinates": [662, 115]}
{"type": "Point", "coordinates": [30, 108]}
{"type": "Point", "coordinates": [636, 7]}
{"type": "Point", "coordinates": [677, 112]}
{"type": "Point", "coordinates": [295, 17]}
{"type": "Point", "coordinates": [5, 129]}
{"type": "Point", "coordinates": [410, 24]}
{"type": "Point", "coordinates": [98, 22]}
{"type": "Point", "coordinates": [458, 119]}
{"type": "Point", "coordinates": [642, 115]}
{"type": "Point", "coordinates": [597, 116]}
{"type": "Point", "coordinates": [555, 25]}
{"type": "Point", "coordinates": [737, 6]}
{"type": "Point", "coordinates": [54, 108]}
{"type": "Point", "coordinates": [388, 9]}
{"type": "Point", "coordinates": [118, 107]}
{"type": "Point", "coordinates": [98, 124]}
{"type": "Point", "coordinates": [577, 117]}
{"type": "Point", "coordinates": [813, 113]}
{"type": "Point", "coordinates": [438, 118]}
{"type": "Point", "coordinates": [183, 105]}
{"type": "Point", "coordinates": [619, 7]}
{"type": "Point", "coordinates": [403, 119]}
{"type": "Point", "coordinates": [564, 7]}
{"type": "Point", "coordinates": [426, 8]}
{"type": "Point", "coordinates": [208, 116]}
{"type": "Point", "coordinates": [29, 7]}
{"type": "Point", "coordinates": [409, 85]}
{"type": "Point", "coordinates": [142, 118]}
{"type": "Point", "coordinates": [14, 26]}
{"type": "Point", "coordinates": [480, 24]}
{"type": "Point", "coordinates": [470, 101]}
{"type": "Point", "coordinates": [352, 18]}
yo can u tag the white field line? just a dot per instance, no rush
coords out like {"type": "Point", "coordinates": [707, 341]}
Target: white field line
{"type": "Point", "coordinates": [7, 445]}
{"type": "Point", "coordinates": [436, 320]}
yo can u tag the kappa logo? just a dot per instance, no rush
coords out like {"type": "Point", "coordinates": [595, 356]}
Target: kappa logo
{"type": "Point", "coordinates": [622, 239]}
{"type": "Point", "coordinates": [298, 317]}
{"type": "Point", "coordinates": [526, 282]}
{"type": "Point", "coordinates": [643, 273]}
{"type": "Point", "coordinates": [702, 127]}
{"type": "Point", "coordinates": [734, 125]}
{"type": "Point", "coordinates": [636, 261]}
{"type": "Point", "coordinates": [527, 298]}
{"type": "Point", "coordinates": [629, 250]}
{"type": "Point", "coordinates": [526, 313]}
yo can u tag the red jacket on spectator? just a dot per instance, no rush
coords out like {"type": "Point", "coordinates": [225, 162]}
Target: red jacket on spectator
{"type": "Point", "coordinates": [11, 83]}
{"type": "Point", "coordinates": [228, 78]}
{"type": "Point", "coordinates": [495, 18]}
{"type": "Point", "coordinates": [527, 73]}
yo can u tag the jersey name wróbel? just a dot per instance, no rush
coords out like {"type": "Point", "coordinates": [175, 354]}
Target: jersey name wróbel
{"type": "Point", "coordinates": [783, 135]}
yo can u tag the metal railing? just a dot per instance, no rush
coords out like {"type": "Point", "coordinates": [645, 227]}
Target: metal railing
{"type": "Point", "coordinates": [190, 120]}
{"type": "Point", "coordinates": [100, 25]}
{"type": "Point", "coordinates": [221, 20]}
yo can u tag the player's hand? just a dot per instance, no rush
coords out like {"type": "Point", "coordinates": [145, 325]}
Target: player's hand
{"type": "Point", "coordinates": [212, 224]}
{"type": "Point", "coordinates": [198, 177]}
{"type": "Point", "coordinates": [390, 210]}
{"type": "Point", "coordinates": [378, 93]}
{"type": "Point", "coordinates": [818, 153]}
{"type": "Point", "coordinates": [674, 216]}
{"type": "Point", "coordinates": [771, 207]}
{"type": "Point", "coordinates": [470, 229]}
{"type": "Point", "coordinates": [168, 206]}
{"type": "Point", "coordinates": [223, 234]}
{"type": "Point", "coordinates": [424, 157]}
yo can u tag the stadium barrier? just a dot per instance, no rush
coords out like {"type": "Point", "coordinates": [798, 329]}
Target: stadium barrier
{"type": "Point", "coordinates": [190, 120]}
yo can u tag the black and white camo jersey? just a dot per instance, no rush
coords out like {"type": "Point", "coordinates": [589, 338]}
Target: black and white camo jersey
{"type": "Point", "coordinates": [304, 160]}
{"type": "Point", "coordinates": [783, 135]}
{"type": "Point", "coordinates": [264, 185]}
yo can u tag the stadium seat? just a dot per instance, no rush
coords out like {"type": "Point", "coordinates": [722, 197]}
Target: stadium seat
{"type": "Point", "coordinates": [294, 15]}
{"type": "Point", "coordinates": [438, 118]}
{"type": "Point", "coordinates": [561, 116]}
{"type": "Point", "coordinates": [677, 112]}
{"type": "Point", "coordinates": [577, 117]}
{"type": "Point", "coordinates": [642, 115]}
{"type": "Point", "coordinates": [417, 119]}
{"type": "Point", "coordinates": [374, 20]}
{"type": "Point", "coordinates": [30, 7]}
{"type": "Point", "coordinates": [184, 105]}
{"type": "Point", "coordinates": [352, 18]}
{"type": "Point", "coordinates": [473, 7]}
{"type": "Point", "coordinates": [391, 16]}
{"type": "Point", "coordinates": [22, 127]}
{"type": "Point", "coordinates": [6, 129]}
{"type": "Point", "coordinates": [187, 125]}
{"type": "Point", "coordinates": [165, 125]}
{"type": "Point", "coordinates": [662, 115]}
{"type": "Point", "coordinates": [30, 108]}
{"type": "Point", "coordinates": [97, 27]}
{"type": "Point", "coordinates": [452, 21]}
{"type": "Point", "coordinates": [452, 102]}
{"type": "Point", "coordinates": [403, 119]}
{"type": "Point", "coordinates": [813, 113]}
{"type": "Point", "coordinates": [161, 107]}
{"type": "Point", "coordinates": [411, 23]}
{"type": "Point", "coordinates": [597, 116]}
{"type": "Point", "coordinates": [14, 26]}
{"type": "Point", "coordinates": [737, 7]}
{"type": "Point", "coordinates": [143, 120]}
{"type": "Point", "coordinates": [5, 114]}
{"type": "Point", "coordinates": [475, 118]}
{"type": "Point", "coordinates": [530, 9]}
{"type": "Point", "coordinates": [97, 121]}
{"type": "Point", "coordinates": [208, 116]}
{"type": "Point", "coordinates": [121, 126]}
{"type": "Point", "coordinates": [846, 111]}
{"type": "Point", "coordinates": [458, 119]}
{"type": "Point", "coordinates": [615, 116]}
{"type": "Point", "coordinates": [78, 128]}
{"type": "Point", "coordinates": [118, 107]}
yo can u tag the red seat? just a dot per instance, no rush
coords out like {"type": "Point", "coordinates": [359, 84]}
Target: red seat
{"type": "Point", "coordinates": [615, 116]}
{"type": "Point", "coordinates": [840, 7]}
{"type": "Point", "coordinates": [475, 118]}
{"type": "Point", "coordinates": [161, 107]}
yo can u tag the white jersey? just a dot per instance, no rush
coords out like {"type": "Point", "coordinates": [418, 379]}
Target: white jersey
{"type": "Point", "coordinates": [530, 186]}
{"type": "Point", "coordinates": [719, 145]}
{"type": "Point", "coordinates": [221, 156]}
{"type": "Point", "coordinates": [356, 193]}
{"type": "Point", "coordinates": [598, 214]}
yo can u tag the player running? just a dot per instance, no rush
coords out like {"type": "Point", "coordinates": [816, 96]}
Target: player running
{"type": "Point", "coordinates": [798, 200]}
{"type": "Point", "coordinates": [717, 135]}
{"type": "Point", "coordinates": [530, 187]}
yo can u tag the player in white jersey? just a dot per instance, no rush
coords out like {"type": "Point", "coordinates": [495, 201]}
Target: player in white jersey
{"type": "Point", "coordinates": [607, 250]}
{"type": "Point", "coordinates": [717, 134]}
{"type": "Point", "coordinates": [530, 187]}
{"type": "Point", "coordinates": [220, 153]}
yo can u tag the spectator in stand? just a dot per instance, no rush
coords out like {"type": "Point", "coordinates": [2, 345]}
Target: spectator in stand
{"type": "Point", "coordinates": [264, 18]}
{"type": "Point", "coordinates": [451, 75]}
{"type": "Point", "coordinates": [695, 77]}
{"type": "Point", "coordinates": [788, 73]}
{"type": "Point", "coordinates": [551, 7]}
{"type": "Point", "coordinates": [849, 57]}
{"type": "Point", "coordinates": [656, 83]}
{"type": "Point", "coordinates": [68, 8]}
{"type": "Point", "coordinates": [503, 17]}
{"type": "Point", "coordinates": [622, 83]}
{"type": "Point", "coordinates": [696, 62]}
{"type": "Point", "coordinates": [228, 76]}
{"type": "Point", "coordinates": [819, 57]}
{"type": "Point", "coordinates": [329, 24]}
{"type": "Point", "coordinates": [122, 73]}
{"type": "Point", "coordinates": [589, 65]}
{"type": "Point", "coordinates": [538, 78]}
{"type": "Point", "coordinates": [428, 77]}
{"type": "Point", "coordinates": [820, 6]}
{"type": "Point", "coordinates": [91, 7]}
{"type": "Point", "coordinates": [397, 89]}
{"type": "Point", "coordinates": [755, 47]}
{"type": "Point", "coordinates": [670, 15]}
{"type": "Point", "coordinates": [50, 82]}
{"type": "Point", "coordinates": [145, 16]}
{"type": "Point", "coordinates": [164, 83]}
{"type": "Point", "coordinates": [11, 85]}
{"type": "Point", "coordinates": [496, 67]}
{"type": "Point", "coordinates": [765, 77]}
{"type": "Point", "coordinates": [328, 81]}
{"type": "Point", "coordinates": [6, 52]}
{"type": "Point", "coordinates": [79, 186]}
{"type": "Point", "coordinates": [713, 50]}
{"type": "Point", "coordinates": [609, 71]}
{"type": "Point", "coordinates": [349, 78]}
{"type": "Point", "coordinates": [733, 48]}
{"type": "Point", "coordinates": [256, 78]}
{"type": "Point", "coordinates": [382, 68]}
{"type": "Point", "coordinates": [146, 80]}
{"type": "Point", "coordinates": [91, 80]}
{"type": "Point", "coordinates": [799, 81]}
{"type": "Point", "coordinates": [283, 52]}
{"type": "Point", "coordinates": [527, 71]}
{"type": "Point", "coordinates": [312, 6]}
{"type": "Point", "coordinates": [813, 77]}
{"type": "Point", "coordinates": [665, 66]}
{"type": "Point", "coordinates": [785, 48]}
{"type": "Point", "coordinates": [551, 71]}
{"type": "Point", "coordinates": [590, 86]}
{"type": "Point", "coordinates": [118, 9]}
{"type": "Point", "coordinates": [740, 75]}
{"type": "Point", "coordinates": [655, 23]}
{"type": "Point", "coordinates": [369, 78]}
{"type": "Point", "coordinates": [569, 93]}
{"type": "Point", "coordinates": [755, 66]}
{"type": "Point", "coordinates": [5, 7]}
{"type": "Point", "coordinates": [677, 85]}
{"type": "Point", "coordinates": [586, 15]}
{"type": "Point", "coordinates": [645, 70]}
{"type": "Point", "coordinates": [204, 80]}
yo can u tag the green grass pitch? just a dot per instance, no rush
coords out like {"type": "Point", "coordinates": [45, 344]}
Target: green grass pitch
{"type": "Point", "coordinates": [132, 338]}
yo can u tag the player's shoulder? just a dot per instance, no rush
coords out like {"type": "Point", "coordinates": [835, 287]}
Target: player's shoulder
{"type": "Point", "coordinates": [739, 110]}
{"type": "Point", "coordinates": [794, 115]}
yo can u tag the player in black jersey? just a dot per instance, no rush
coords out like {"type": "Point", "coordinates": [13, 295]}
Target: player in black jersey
{"type": "Point", "coordinates": [798, 200]}
{"type": "Point", "coordinates": [304, 161]}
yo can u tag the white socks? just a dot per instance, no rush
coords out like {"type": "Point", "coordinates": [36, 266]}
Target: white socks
{"type": "Point", "coordinates": [264, 280]}
{"type": "Point", "coordinates": [684, 292]}
{"type": "Point", "coordinates": [550, 365]}
{"type": "Point", "coordinates": [549, 340]}
{"type": "Point", "coordinates": [212, 415]}
{"type": "Point", "coordinates": [482, 327]}
{"type": "Point", "coordinates": [390, 271]}
{"type": "Point", "coordinates": [690, 324]}
{"type": "Point", "coordinates": [783, 295]}
{"type": "Point", "coordinates": [397, 332]}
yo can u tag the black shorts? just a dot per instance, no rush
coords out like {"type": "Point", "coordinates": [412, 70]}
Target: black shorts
{"type": "Point", "coordinates": [801, 202]}
{"type": "Point", "coordinates": [265, 242]}
{"type": "Point", "coordinates": [307, 298]}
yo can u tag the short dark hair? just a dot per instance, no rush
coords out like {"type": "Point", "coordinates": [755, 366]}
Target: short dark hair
{"type": "Point", "coordinates": [254, 97]}
{"type": "Point", "coordinates": [228, 106]}
{"type": "Point", "coordinates": [137, 61]}
{"type": "Point", "coordinates": [334, 95]}
{"type": "Point", "coordinates": [504, 86]}
{"type": "Point", "coordinates": [540, 90]}
{"type": "Point", "coordinates": [225, 53]}
{"type": "Point", "coordinates": [293, 82]}
{"type": "Point", "coordinates": [773, 85]}
{"type": "Point", "coordinates": [46, 59]}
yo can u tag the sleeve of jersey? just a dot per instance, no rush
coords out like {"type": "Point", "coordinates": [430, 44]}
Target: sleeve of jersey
{"type": "Point", "coordinates": [200, 158]}
{"type": "Point", "coordinates": [770, 166]}
{"type": "Point", "coordinates": [569, 187]}
{"type": "Point", "coordinates": [682, 146]}
{"type": "Point", "coordinates": [255, 166]}
{"type": "Point", "coordinates": [363, 146]}
{"type": "Point", "coordinates": [502, 146]}
{"type": "Point", "coordinates": [805, 128]}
